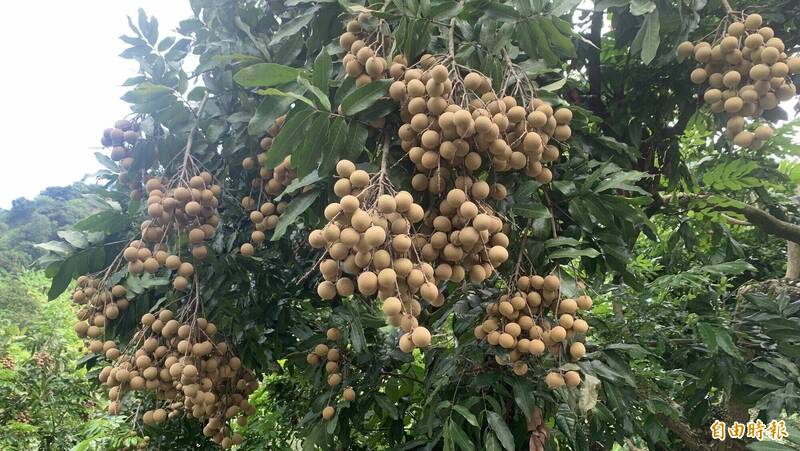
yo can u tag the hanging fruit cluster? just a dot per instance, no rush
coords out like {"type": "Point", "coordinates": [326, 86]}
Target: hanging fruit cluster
{"type": "Point", "coordinates": [183, 215]}
{"type": "Point", "coordinates": [370, 238]}
{"type": "Point", "coordinates": [188, 367]}
{"type": "Point", "coordinates": [99, 305]}
{"type": "Point", "coordinates": [533, 319]}
{"type": "Point", "coordinates": [747, 73]}
{"type": "Point", "coordinates": [363, 61]}
{"type": "Point", "coordinates": [121, 138]}
{"type": "Point", "coordinates": [462, 126]}
{"type": "Point", "coordinates": [264, 187]}
{"type": "Point", "coordinates": [334, 362]}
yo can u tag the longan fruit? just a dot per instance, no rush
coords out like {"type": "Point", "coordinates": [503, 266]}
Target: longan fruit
{"type": "Point", "coordinates": [554, 380]}
{"type": "Point", "coordinates": [406, 343]}
{"type": "Point", "coordinates": [577, 350]}
{"type": "Point", "coordinates": [359, 178]}
{"type": "Point", "coordinates": [328, 412]}
{"type": "Point", "coordinates": [698, 76]}
{"type": "Point", "coordinates": [349, 394]}
{"type": "Point", "coordinates": [572, 379]}
{"type": "Point", "coordinates": [685, 50]}
{"type": "Point", "coordinates": [421, 337]}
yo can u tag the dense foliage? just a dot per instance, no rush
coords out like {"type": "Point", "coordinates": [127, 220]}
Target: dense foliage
{"type": "Point", "coordinates": [673, 230]}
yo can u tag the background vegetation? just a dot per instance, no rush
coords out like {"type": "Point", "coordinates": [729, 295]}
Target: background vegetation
{"type": "Point", "coordinates": [680, 237]}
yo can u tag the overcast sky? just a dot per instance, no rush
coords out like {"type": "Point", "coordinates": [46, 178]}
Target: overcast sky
{"type": "Point", "coordinates": [60, 80]}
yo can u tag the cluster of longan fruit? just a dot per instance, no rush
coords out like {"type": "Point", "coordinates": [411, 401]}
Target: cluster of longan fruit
{"type": "Point", "coordinates": [264, 187]}
{"type": "Point", "coordinates": [464, 237]}
{"type": "Point", "coordinates": [747, 72]}
{"type": "Point", "coordinates": [492, 132]}
{"type": "Point", "coordinates": [99, 304]}
{"type": "Point", "coordinates": [333, 362]}
{"type": "Point", "coordinates": [7, 363]}
{"type": "Point", "coordinates": [121, 138]}
{"type": "Point", "coordinates": [520, 323]}
{"type": "Point", "coordinates": [370, 238]}
{"type": "Point", "coordinates": [189, 368]}
{"type": "Point", "coordinates": [182, 218]}
{"type": "Point", "coordinates": [362, 61]}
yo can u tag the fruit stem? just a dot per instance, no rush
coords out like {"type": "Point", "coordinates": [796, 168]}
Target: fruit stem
{"type": "Point", "coordinates": [727, 7]}
{"type": "Point", "coordinates": [384, 162]}
{"type": "Point", "coordinates": [188, 148]}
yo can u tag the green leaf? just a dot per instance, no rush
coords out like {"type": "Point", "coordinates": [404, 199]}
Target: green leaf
{"type": "Point", "coordinates": [291, 134]}
{"type": "Point", "coordinates": [500, 11]}
{"type": "Point", "coordinates": [574, 253]}
{"type": "Point", "coordinates": [725, 343]}
{"type": "Point", "coordinates": [363, 97]}
{"type": "Point", "coordinates": [279, 93]}
{"type": "Point", "coordinates": [523, 396]}
{"type": "Point", "coordinates": [322, 97]}
{"type": "Point", "coordinates": [531, 211]}
{"type": "Point", "coordinates": [642, 7]}
{"type": "Point", "coordinates": [293, 27]}
{"type": "Point", "coordinates": [61, 279]}
{"type": "Point", "coordinates": [296, 207]}
{"type": "Point", "coordinates": [270, 109]}
{"type": "Point", "coordinates": [651, 40]}
{"type": "Point", "coordinates": [500, 428]}
{"type": "Point", "coordinates": [464, 412]}
{"type": "Point", "coordinates": [146, 92]}
{"type": "Point", "coordinates": [74, 238]}
{"type": "Point", "coordinates": [561, 241]}
{"type": "Point", "coordinates": [562, 7]}
{"type": "Point", "coordinates": [298, 183]}
{"type": "Point", "coordinates": [445, 10]}
{"type": "Point", "coordinates": [459, 436]}
{"type": "Point", "coordinates": [266, 75]}
{"type": "Point", "coordinates": [554, 86]}
{"type": "Point", "coordinates": [107, 162]}
{"type": "Point", "coordinates": [322, 70]}
{"type": "Point", "coordinates": [708, 336]}
{"type": "Point", "coordinates": [357, 338]}
{"type": "Point", "coordinates": [305, 158]}
{"type": "Point", "coordinates": [337, 140]}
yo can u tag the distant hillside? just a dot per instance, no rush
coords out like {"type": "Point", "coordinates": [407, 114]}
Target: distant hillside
{"type": "Point", "coordinates": [29, 222]}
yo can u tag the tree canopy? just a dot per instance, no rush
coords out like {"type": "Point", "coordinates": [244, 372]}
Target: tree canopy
{"type": "Point", "coordinates": [565, 154]}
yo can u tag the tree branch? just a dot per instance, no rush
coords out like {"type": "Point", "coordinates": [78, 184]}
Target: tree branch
{"type": "Point", "coordinates": [755, 216]}
{"type": "Point", "coordinates": [682, 430]}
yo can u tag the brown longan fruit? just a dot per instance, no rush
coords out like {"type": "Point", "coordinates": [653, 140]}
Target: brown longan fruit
{"type": "Point", "coordinates": [349, 394]}
{"type": "Point", "coordinates": [685, 49]}
{"type": "Point", "coordinates": [421, 337]}
{"type": "Point", "coordinates": [415, 88]}
{"type": "Point", "coordinates": [753, 21]}
{"type": "Point", "coordinates": [558, 334]}
{"type": "Point", "coordinates": [180, 283]}
{"type": "Point", "coordinates": [397, 91]}
{"type": "Point", "coordinates": [406, 344]}
{"type": "Point", "coordinates": [359, 178]}
{"type": "Point", "coordinates": [698, 76]}
{"type": "Point", "coordinates": [577, 350]}
{"type": "Point", "coordinates": [328, 412]}
{"type": "Point", "coordinates": [473, 81]}
{"type": "Point", "coordinates": [572, 379]}
{"type": "Point", "coordinates": [247, 250]}
{"type": "Point", "coordinates": [554, 380]}
{"type": "Point", "coordinates": [743, 138]}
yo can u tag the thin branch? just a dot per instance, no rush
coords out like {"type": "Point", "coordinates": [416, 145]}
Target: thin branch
{"type": "Point", "coordinates": [755, 216]}
{"type": "Point", "coordinates": [188, 148]}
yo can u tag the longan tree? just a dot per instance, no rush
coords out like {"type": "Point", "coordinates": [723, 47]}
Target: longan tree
{"type": "Point", "coordinates": [408, 211]}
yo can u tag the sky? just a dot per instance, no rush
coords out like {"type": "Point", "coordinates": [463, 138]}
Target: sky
{"type": "Point", "coordinates": [60, 79]}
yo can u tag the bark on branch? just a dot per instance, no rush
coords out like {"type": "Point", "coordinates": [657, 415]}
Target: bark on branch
{"type": "Point", "coordinates": [755, 216]}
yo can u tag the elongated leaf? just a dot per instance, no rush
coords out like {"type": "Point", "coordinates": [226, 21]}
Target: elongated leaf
{"type": "Point", "coordinates": [464, 412]}
{"type": "Point", "coordinates": [531, 211]}
{"type": "Point", "coordinates": [296, 207]}
{"type": "Point", "coordinates": [75, 238]}
{"type": "Point", "coordinates": [305, 158]}
{"type": "Point", "coordinates": [270, 109]}
{"type": "Point", "coordinates": [363, 97]}
{"type": "Point", "coordinates": [279, 93]}
{"type": "Point", "coordinates": [322, 70]}
{"type": "Point", "coordinates": [574, 253]}
{"type": "Point", "coordinates": [292, 27]}
{"type": "Point", "coordinates": [290, 136]}
{"type": "Point", "coordinates": [500, 428]}
{"type": "Point", "coordinates": [459, 436]}
{"type": "Point", "coordinates": [266, 75]}
{"type": "Point", "coordinates": [651, 40]}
